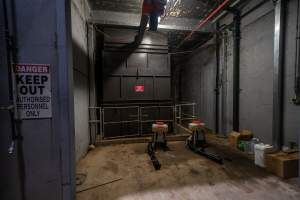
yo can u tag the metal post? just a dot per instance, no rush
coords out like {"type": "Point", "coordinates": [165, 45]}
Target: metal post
{"type": "Point", "coordinates": [174, 119]}
{"type": "Point", "coordinates": [140, 118]}
{"type": "Point", "coordinates": [100, 123]}
{"type": "Point", "coordinates": [278, 72]}
{"type": "Point", "coordinates": [224, 84]}
{"type": "Point", "coordinates": [103, 121]}
{"type": "Point", "coordinates": [180, 122]}
{"type": "Point", "coordinates": [194, 112]}
{"type": "Point", "coordinates": [236, 68]}
{"type": "Point", "coordinates": [217, 90]}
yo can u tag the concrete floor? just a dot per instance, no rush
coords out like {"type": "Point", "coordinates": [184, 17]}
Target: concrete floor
{"type": "Point", "coordinates": [184, 175]}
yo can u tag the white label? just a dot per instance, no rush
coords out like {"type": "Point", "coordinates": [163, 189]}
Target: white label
{"type": "Point", "coordinates": [33, 82]}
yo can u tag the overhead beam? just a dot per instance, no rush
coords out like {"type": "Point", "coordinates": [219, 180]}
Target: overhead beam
{"type": "Point", "coordinates": [111, 18]}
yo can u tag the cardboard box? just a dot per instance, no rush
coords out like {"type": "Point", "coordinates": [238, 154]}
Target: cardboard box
{"type": "Point", "coordinates": [246, 135]}
{"type": "Point", "coordinates": [234, 139]}
{"type": "Point", "coordinates": [282, 164]}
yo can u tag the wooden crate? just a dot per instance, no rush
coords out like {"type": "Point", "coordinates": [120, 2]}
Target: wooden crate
{"type": "Point", "coordinates": [282, 164]}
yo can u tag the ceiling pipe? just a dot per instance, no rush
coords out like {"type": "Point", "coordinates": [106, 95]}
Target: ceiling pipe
{"type": "Point", "coordinates": [205, 20]}
{"type": "Point", "coordinates": [223, 13]}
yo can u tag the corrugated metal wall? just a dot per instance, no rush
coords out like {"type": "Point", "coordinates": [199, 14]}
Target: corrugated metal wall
{"type": "Point", "coordinates": [198, 82]}
{"type": "Point", "coordinates": [124, 68]}
{"type": "Point", "coordinates": [81, 68]}
{"type": "Point", "coordinates": [256, 76]}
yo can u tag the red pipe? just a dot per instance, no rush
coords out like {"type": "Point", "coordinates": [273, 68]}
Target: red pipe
{"type": "Point", "coordinates": [204, 21]}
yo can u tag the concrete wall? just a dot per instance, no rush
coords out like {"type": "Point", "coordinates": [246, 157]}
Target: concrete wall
{"type": "Point", "coordinates": [42, 36]}
{"type": "Point", "coordinates": [80, 12]}
{"type": "Point", "coordinates": [256, 76]}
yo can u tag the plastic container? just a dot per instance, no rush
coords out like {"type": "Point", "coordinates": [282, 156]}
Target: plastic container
{"type": "Point", "coordinates": [260, 150]}
{"type": "Point", "coordinates": [254, 141]}
{"type": "Point", "coordinates": [247, 147]}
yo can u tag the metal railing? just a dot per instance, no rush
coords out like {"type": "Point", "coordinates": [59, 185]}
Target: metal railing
{"type": "Point", "coordinates": [136, 120]}
{"type": "Point", "coordinates": [185, 112]}
{"type": "Point", "coordinates": [95, 124]}
{"type": "Point", "coordinates": [138, 116]}
{"type": "Point", "coordinates": [158, 117]}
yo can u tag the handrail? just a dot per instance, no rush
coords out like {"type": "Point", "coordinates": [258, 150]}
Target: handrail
{"type": "Point", "coordinates": [177, 116]}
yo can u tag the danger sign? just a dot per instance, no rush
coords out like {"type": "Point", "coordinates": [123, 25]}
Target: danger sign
{"type": "Point", "coordinates": [33, 82]}
{"type": "Point", "coordinates": [139, 88]}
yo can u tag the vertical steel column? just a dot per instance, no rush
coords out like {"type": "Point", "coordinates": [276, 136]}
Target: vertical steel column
{"type": "Point", "coordinates": [236, 68]}
{"type": "Point", "coordinates": [278, 73]}
{"type": "Point", "coordinates": [140, 119]}
{"type": "Point", "coordinates": [217, 90]}
{"type": "Point", "coordinates": [174, 119]}
{"type": "Point", "coordinates": [194, 110]}
{"type": "Point", "coordinates": [224, 83]}
{"type": "Point", "coordinates": [180, 121]}
{"type": "Point", "coordinates": [64, 116]}
{"type": "Point", "coordinates": [100, 126]}
{"type": "Point", "coordinates": [103, 123]}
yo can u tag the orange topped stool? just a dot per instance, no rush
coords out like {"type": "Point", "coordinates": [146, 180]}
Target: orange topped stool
{"type": "Point", "coordinates": [198, 134]}
{"type": "Point", "coordinates": [197, 141]}
{"type": "Point", "coordinates": [160, 130]}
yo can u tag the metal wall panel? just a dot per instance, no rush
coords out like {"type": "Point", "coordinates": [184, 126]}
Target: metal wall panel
{"type": "Point", "coordinates": [10, 185]}
{"type": "Point", "coordinates": [136, 64]}
{"type": "Point", "coordinates": [146, 65]}
{"type": "Point", "coordinates": [256, 96]}
{"type": "Point", "coordinates": [162, 88]}
{"type": "Point", "coordinates": [112, 88]}
{"type": "Point", "coordinates": [198, 83]}
{"type": "Point", "coordinates": [291, 112]}
{"type": "Point", "coordinates": [115, 63]}
{"type": "Point", "coordinates": [124, 68]}
{"type": "Point", "coordinates": [128, 88]}
{"type": "Point", "coordinates": [120, 121]}
{"type": "Point", "coordinates": [158, 64]}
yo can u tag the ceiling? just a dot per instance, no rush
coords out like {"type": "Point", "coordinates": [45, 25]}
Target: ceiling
{"type": "Point", "coordinates": [175, 8]}
{"type": "Point", "coordinates": [190, 8]}
{"type": "Point", "coordinates": [128, 6]}
{"type": "Point", "coordinates": [177, 11]}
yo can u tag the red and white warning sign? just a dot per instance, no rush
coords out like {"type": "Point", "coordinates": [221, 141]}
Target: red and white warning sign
{"type": "Point", "coordinates": [139, 88]}
{"type": "Point", "coordinates": [33, 82]}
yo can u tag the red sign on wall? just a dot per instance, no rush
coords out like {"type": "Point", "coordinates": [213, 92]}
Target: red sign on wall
{"type": "Point", "coordinates": [139, 88]}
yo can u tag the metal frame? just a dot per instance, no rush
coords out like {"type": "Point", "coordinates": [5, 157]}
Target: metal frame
{"type": "Point", "coordinates": [180, 115]}
{"type": "Point", "coordinates": [120, 122]}
{"type": "Point", "coordinates": [154, 120]}
{"type": "Point", "coordinates": [100, 120]}
{"type": "Point", "coordinates": [93, 121]}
